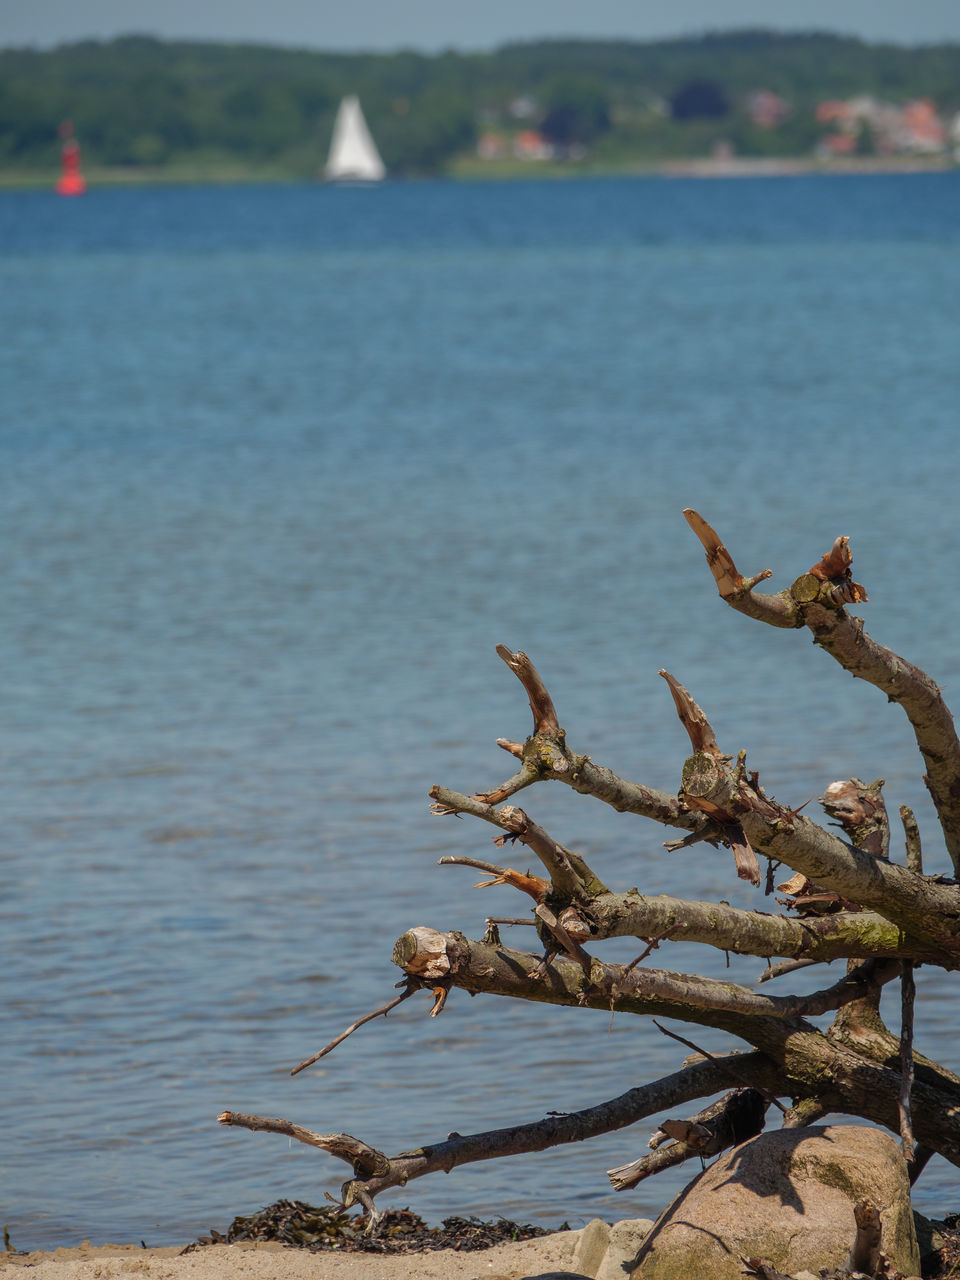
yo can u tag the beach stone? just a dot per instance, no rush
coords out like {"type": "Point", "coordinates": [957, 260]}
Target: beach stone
{"type": "Point", "coordinates": [625, 1240]}
{"type": "Point", "coordinates": [558, 1275]}
{"type": "Point", "coordinates": [591, 1247]}
{"type": "Point", "coordinates": [786, 1196]}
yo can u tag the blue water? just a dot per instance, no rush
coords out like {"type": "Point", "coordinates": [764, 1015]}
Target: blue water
{"type": "Point", "coordinates": [279, 466]}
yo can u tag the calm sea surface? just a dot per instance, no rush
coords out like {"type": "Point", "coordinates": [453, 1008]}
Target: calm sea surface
{"type": "Point", "coordinates": [279, 467]}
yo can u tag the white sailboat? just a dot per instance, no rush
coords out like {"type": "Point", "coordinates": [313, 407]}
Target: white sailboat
{"type": "Point", "coordinates": [353, 153]}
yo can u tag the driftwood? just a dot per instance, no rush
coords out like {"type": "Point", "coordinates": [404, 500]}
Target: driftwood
{"type": "Point", "coordinates": [847, 899]}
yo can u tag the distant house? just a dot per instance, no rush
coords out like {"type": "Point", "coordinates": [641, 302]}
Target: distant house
{"type": "Point", "coordinates": [915, 128]}
{"type": "Point", "coordinates": [530, 144]}
{"type": "Point", "coordinates": [921, 128]}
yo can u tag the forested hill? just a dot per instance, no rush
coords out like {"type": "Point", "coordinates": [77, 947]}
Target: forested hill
{"type": "Point", "coordinates": [140, 102]}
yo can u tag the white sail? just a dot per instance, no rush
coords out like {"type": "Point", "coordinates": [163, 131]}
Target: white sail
{"type": "Point", "coordinates": [353, 153]}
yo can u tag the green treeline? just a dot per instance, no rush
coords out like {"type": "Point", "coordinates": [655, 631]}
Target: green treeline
{"type": "Point", "coordinates": [137, 102]}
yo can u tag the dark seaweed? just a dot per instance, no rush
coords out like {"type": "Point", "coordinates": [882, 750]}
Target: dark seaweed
{"type": "Point", "coordinates": [306, 1226]}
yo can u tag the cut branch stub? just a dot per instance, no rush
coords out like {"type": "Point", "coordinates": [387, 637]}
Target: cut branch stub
{"type": "Point", "coordinates": [423, 952]}
{"type": "Point", "coordinates": [860, 810]}
{"type": "Point", "coordinates": [707, 787]}
{"type": "Point", "coordinates": [737, 590]}
{"type": "Point", "coordinates": [834, 568]}
{"type": "Point", "coordinates": [912, 836]}
{"type": "Point", "coordinates": [693, 719]}
{"type": "Point", "coordinates": [701, 778]}
{"type": "Point", "coordinates": [829, 580]}
{"type": "Point", "coordinates": [541, 704]}
{"type": "Point", "coordinates": [728, 579]}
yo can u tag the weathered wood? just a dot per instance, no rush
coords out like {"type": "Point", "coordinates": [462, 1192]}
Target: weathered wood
{"type": "Point", "coordinates": [367, 1162]}
{"type": "Point", "coordinates": [733, 1119]}
{"type": "Point", "coordinates": [865, 1255]}
{"type": "Point", "coordinates": [860, 810]}
{"type": "Point", "coordinates": [884, 918]}
{"type": "Point", "coordinates": [541, 704]}
{"type": "Point", "coordinates": [845, 639]}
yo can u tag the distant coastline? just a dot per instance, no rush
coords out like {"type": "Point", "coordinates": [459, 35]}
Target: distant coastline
{"type": "Point", "coordinates": [469, 170]}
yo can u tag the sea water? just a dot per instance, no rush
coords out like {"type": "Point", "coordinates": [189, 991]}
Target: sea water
{"type": "Point", "coordinates": [279, 467]}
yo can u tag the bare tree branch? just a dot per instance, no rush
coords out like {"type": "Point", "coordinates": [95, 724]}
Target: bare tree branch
{"type": "Point", "coordinates": [816, 601]}
{"type": "Point", "coordinates": [366, 1160]}
{"type": "Point", "coordinates": [698, 727]}
{"type": "Point", "coordinates": [569, 874]}
{"type": "Point", "coordinates": [852, 904]}
{"type": "Point", "coordinates": [778, 610]}
{"type": "Point", "coordinates": [816, 938]}
{"type": "Point", "coordinates": [784, 967]}
{"type": "Point", "coordinates": [555, 1130]}
{"type": "Point", "coordinates": [726, 1123]}
{"type": "Point", "coordinates": [477, 966]}
{"type": "Point", "coordinates": [541, 704]}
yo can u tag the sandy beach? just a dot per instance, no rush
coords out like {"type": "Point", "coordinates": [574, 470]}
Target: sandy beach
{"type": "Point", "coordinates": [551, 1255]}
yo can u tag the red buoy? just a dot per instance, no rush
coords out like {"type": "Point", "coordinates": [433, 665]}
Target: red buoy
{"type": "Point", "coordinates": [71, 181]}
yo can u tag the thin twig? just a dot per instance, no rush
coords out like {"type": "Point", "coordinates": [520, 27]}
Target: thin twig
{"type": "Point", "coordinates": [724, 1065]}
{"type": "Point", "coordinates": [652, 945]}
{"type": "Point", "coordinates": [411, 987]}
{"type": "Point", "coordinates": [449, 860]}
{"type": "Point", "coordinates": [785, 966]}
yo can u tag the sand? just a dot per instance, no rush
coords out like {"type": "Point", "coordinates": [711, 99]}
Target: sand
{"type": "Point", "coordinates": [523, 1260]}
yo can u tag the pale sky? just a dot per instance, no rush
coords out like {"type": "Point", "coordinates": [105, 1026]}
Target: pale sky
{"type": "Point", "coordinates": [431, 25]}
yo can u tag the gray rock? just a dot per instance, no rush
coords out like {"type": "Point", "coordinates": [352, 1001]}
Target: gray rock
{"type": "Point", "coordinates": [558, 1275]}
{"type": "Point", "coordinates": [786, 1196]}
{"type": "Point", "coordinates": [626, 1238]}
{"type": "Point", "coordinates": [929, 1239]}
{"type": "Point", "coordinates": [590, 1248]}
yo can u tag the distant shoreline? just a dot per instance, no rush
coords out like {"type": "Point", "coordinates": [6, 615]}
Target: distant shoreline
{"type": "Point", "coordinates": [705, 167]}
